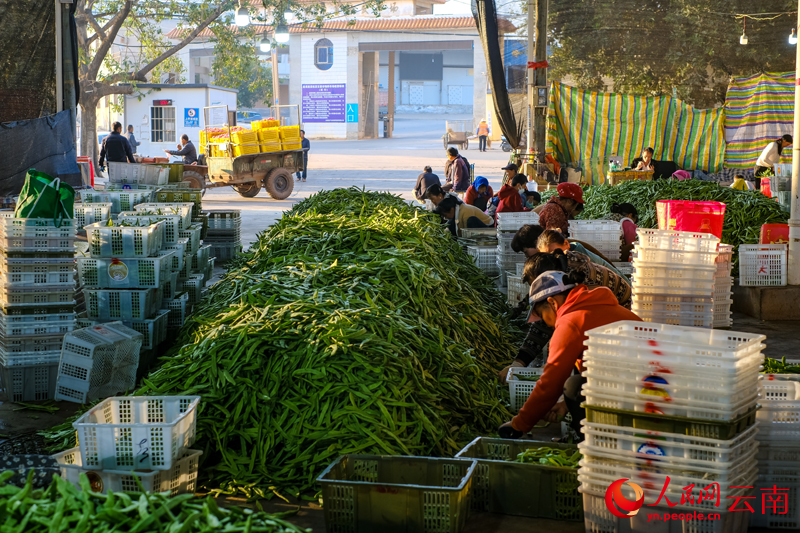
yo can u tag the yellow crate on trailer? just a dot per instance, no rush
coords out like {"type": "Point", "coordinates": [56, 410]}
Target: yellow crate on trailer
{"type": "Point", "coordinates": [269, 140]}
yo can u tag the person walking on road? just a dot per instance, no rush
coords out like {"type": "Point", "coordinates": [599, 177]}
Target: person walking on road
{"type": "Point", "coordinates": [425, 180]}
{"type": "Point", "coordinates": [483, 134]}
{"type": "Point", "coordinates": [115, 147]}
{"type": "Point", "coordinates": [456, 172]}
{"type": "Point", "coordinates": [305, 144]}
{"type": "Point", "coordinates": [132, 139]}
{"type": "Point", "coordinates": [186, 150]}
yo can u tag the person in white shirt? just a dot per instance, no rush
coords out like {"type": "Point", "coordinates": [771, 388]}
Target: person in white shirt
{"type": "Point", "coordinates": [770, 157]}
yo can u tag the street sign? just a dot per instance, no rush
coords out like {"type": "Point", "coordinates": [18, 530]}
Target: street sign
{"type": "Point", "coordinates": [191, 118]}
{"type": "Point", "coordinates": [352, 112]}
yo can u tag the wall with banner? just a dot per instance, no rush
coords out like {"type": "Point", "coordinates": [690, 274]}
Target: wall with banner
{"type": "Point", "coordinates": [588, 128]}
{"type": "Point", "coordinates": [758, 109]}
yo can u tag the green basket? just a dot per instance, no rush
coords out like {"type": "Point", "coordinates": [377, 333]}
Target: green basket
{"type": "Point", "coordinates": [695, 427]}
{"type": "Point", "coordinates": [503, 486]}
{"type": "Point", "coordinates": [391, 494]}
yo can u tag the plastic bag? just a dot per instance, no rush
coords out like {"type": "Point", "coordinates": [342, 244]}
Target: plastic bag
{"type": "Point", "coordinates": [44, 196]}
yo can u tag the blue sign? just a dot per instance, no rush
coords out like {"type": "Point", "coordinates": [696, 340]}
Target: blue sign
{"type": "Point", "coordinates": [323, 102]}
{"type": "Point", "coordinates": [352, 112]}
{"type": "Point", "coordinates": [191, 117]}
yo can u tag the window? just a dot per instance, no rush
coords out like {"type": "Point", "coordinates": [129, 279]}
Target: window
{"type": "Point", "coordinates": [197, 78]}
{"type": "Point", "coordinates": [323, 54]}
{"type": "Point", "coordinates": [162, 124]}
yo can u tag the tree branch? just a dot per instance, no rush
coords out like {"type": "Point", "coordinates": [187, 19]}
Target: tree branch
{"type": "Point", "coordinates": [105, 44]}
{"type": "Point", "coordinates": [141, 75]}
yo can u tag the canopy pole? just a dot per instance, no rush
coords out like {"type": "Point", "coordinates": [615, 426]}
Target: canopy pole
{"type": "Point", "coordinates": [794, 223]}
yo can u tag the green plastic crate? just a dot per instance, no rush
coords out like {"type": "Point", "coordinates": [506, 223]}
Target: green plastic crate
{"type": "Point", "coordinates": [500, 485]}
{"type": "Point", "coordinates": [391, 494]}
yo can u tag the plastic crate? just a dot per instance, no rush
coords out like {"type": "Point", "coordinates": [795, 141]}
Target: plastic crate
{"type": "Point", "coordinates": [169, 288]}
{"type": "Point", "coordinates": [180, 479]}
{"type": "Point", "coordinates": [677, 318]}
{"type": "Point", "coordinates": [672, 286]}
{"type": "Point", "coordinates": [181, 196]}
{"type": "Point", "coordinates": [186, 271]}
{"type": "Point", "coordinates": [23, 313]}
{"type": "Point", "coordinates": [485, 257]}
{"type": "Point", "coordinates": [655, 446]}
{"type": "Point", "coordinates": [40, 295]}
{"type": "Point", "coordinates": [722, 308]}
{"type": "Point", "coordinates": [517, 290]}
{"type": "Point", "coordinates": [762, 265]}
{"type": "Point", "coordinates": [171, 222]}
{"type": "Point", "coordinates": [514, 221]}
{"type": "Point", "coordinates": [139, 272]}
{"type": "Point", "coordinates": [520, 268]}
{"type": "Point", "coordinates": [180, 251]}
{"type": "Point", "coordinates": [153, 330]}
{"type": "Point", "coordinates": [224, 218]}
{"type": "Point", "coordinates": [725, 252]}
{"type": "Point", "coordinates": [18, 276]}
{"type": "Point", "coordinates": [193, 235]}
{"type": "Point", "coordinates": [669, 303]}
{"type": "Point", "coordinates": [178, 308]}
{"type": "Point", "coordinates": [37, 243]}
{"type": "Point", "coordinates": [137, 173]}
{"type": "Point", "coordinates": [202, 219]}
{"type": "Point", "coordinates": [143, 432]}
{"type": "Point", "coordinates": [685, 241]}
{"type": "Point", "coordinates": [25, 359]}
{"type": "Point", "coordinates": [710, 429]}
{"type": "Point", "coordinates": [8, 221]}
{"type": "Point", "coordinates": [182, 209]}
{"type": "Point", "coordinates": [596, 226]}
{"type": "Point", "coordinates": [779, 520]}
{"type": "Point", "coordinates": [193, 287]}
{"type": "Point", "coordinates": [675, 258]}
{"type": "Point", "coordinates": [780, 402]}
{"type": "Point", "coordinates": [421, 494]}
{"type": "Point", "coordinates": [29, 344]}
{"type": "Point", "coordinates": [53, 325]}
{"type": "Point", "coordinates": [520, 389]}
{"type": "Point", "coordinates": [497, 480]}
{"type": "Point", "coordinates": [120, 200]}
{"type": "Point", "coordinates": [209, 271]}
{"type": "Point", "coordinates": [200, 259]}
{"type": "Point", "coordinates": [225, 252]}
{"type": "Point", "coordinates": [625, 267]}
{"type": "Point", "coordinates": [228, 236]}
{"type": "Point", "coordinates": [28, 383]}
{"type": "Point", "coordinates": [125, 241]}
{"type": "Point", "coordinates": [122, 304]}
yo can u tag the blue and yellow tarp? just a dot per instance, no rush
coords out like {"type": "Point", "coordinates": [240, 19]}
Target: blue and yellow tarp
{"type": "Point", "coordinates": [590, 127]}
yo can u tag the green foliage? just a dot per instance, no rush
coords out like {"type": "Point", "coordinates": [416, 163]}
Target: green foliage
{"type": "Point", "coordinates": [237, 64]}
{"type": "Point", "coordinates": [649, 47]}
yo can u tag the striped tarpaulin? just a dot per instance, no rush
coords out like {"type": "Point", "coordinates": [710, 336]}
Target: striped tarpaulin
{"type": "Point", "coordinates": [758, 110]}
{"type": "Point", "coordinates": [589, 127]}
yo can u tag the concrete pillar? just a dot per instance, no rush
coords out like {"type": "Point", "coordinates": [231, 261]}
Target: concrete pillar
{"type": "Point", "coordinates": [368, 104]}
{"type": "Point", "coordinates": [353, 90]}
{"type": "Point", "coordinates": [390, 106]}
{"type": "Point", "coordinates": [479, 97]}
{"type": "Point", "coordinates": [295, 77]}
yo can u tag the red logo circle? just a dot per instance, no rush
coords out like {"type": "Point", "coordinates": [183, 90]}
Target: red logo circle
{"type": "Point", "coordinates": [618, 504]}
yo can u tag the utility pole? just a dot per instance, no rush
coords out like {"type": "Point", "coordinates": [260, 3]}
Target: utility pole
{"type": "Point", "coordinates": [531, 74]}
{"type": "Point", "coordinates": [794, 223]}
{"type": "Point", "coordinates": [276, 86]}
{"type": "Point", "coordinates": [539, 75]}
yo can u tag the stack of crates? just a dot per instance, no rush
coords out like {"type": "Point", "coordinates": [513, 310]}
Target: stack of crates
{"type": "Point", "coordinates": [97, 362]}
{"type": "Point", "coordinates": [779, 449]}
{"type": "Point", "coordinates": [485, 258]}
{"type": "Point", "coordinates": [127, 273]}
{"type": "Point", "coordinates": [723, 287]}
{"type": "Point", "coordinates": [37, 303]}
{"type": "Point", "coordinates": [604, 235]}
{"type": "Point", "coordinates": [290, 137]}
{"type": "Point", "coordinates": [224, 233]}
{"type": "Point", "coordinates": [674, 277]}
{"type": "Point", "coordinates": [135, 444]}
{"type": "Point", "coordinates": [507, 226]}
{"type": "Point", "coordinates": [673, 410]}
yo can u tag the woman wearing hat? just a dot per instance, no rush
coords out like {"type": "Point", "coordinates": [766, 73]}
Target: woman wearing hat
{"type": "Point", "coordinates": [557, 212]}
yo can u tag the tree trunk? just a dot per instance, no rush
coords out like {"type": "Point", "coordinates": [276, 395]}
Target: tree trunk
{"type": "Point", "coordinates": [89, 146]}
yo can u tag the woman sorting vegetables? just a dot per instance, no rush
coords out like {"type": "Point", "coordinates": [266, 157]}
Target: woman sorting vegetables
{"type": "Point", "coordinates": [462, 216]}
{"type": "Point", "coordinates": [479, 193]}
{"type": "Point", "coordinates": [770, 156]}
{"type": "Point", "coordinates": [436, 194]}
{"type": "Point", "coordinates": [564, 303]}
{"type": "Point", "coordinates": [627, 215]}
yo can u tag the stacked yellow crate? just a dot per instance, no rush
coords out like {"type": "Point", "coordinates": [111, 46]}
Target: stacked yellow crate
{"type": "Point", "coordinates": [290, 137]}
{"type": "Point", "coordinates": [245, 142]}
{"type": "Point", "coordinates": [269, 140]}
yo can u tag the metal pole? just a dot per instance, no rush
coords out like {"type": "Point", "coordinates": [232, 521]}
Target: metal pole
{"type": "Point", "coordinates": [794, 222]}
{"type": "Point", "coordinates": [59, 60]}
{"type": "Point", "coordinates": [540, 74]}
{"type": "Point", "coordinates": [531, 73]}
{"type": "Point", "coordinates": [276, 87]}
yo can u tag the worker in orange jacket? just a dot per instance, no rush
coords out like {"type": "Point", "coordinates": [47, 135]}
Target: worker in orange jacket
{"type": "Point", "coordinates": [483, 134]}
{"type": "Point", "coordinates": [563, 303]}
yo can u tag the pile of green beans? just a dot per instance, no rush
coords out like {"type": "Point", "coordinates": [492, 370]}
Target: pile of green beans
{"type": "Point", "coordinates": [61, 507]}
{"type": "Point", "coordinates": [779, 366]}
{"type": "Point", "coordinates": [355, 324]}
{"type": "Point", "coordinates": [550, 457]}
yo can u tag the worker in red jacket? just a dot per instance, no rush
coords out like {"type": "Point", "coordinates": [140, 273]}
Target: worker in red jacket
{"type": "Point", "coordinates": [563, 303]}
{"type": "Point", "coordinates": [510, 200]}
{"type": "Point", "coordinates": [560, 209]}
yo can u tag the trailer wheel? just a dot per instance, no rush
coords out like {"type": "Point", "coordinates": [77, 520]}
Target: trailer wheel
{"type": "Point", "coordinates": [247, 190]}
{"type": "Point", "coordinates": [279, 183]}
{"type": "Point", "coordinates": [197, 181]}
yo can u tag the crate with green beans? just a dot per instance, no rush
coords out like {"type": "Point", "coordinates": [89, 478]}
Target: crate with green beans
{"type": "Point", "coordinates": [525, 478]}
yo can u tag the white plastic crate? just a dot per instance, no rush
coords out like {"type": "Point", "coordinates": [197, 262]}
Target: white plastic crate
{"type": "Point", "coordinates": [20, 228]}
{"type": "Point", "coordinates": [16, 359]}
{"type": "Point", "coordinates": [183, 209]}
{"type": "Point", "coordinates": [725, 253]}
{"type": "Point", "coordinates": [37, 244]}
{"type": "Point", "coordinates": [193, 234]}
{"type": "Point", "coordinates": [514, 221]}
{"type": "Point", "coordinates": [137, 173]}
{"type": "Point", "coordinates": [520, 389]}
{"type": "Point", "coordinates": [9, 220]}
{"type": "Point", "coordinates": [779, 520]}
{"type": "Point", "coordinates": [120, 200]}
{"type": "Point", "coordinates": [180, 479]}
{"type": "Point", "coordinates": [485, 258]}
{"type": "Point", "coordinates": [40, 295]}
{"type": "Point", "coordinates": [31, 344]}
{"type": "Point", "coordinates": [55, 313]}
{"type": "Point", "coordinates": [645, 270]}
{"type": "Point", "coordinates": [677, 318]}
{"type": "Point", "coordinates": [169, 287]}
{"type": "Point", "coordinates": [28, 383]}
{"type": "Point", "coordinates": [125, 241]}
{"type": "Point", "coordinates": [686, 241]}
{"type": "Point", "coordinates": [208, 273]}
{"type": "Point", "coordinates": [672, 286]}
{"type": "Point", "coordinates": [91, 213]}
{"type": "Point", "coordinates": [626, 267]}
{"type": "Point", "coordinates": [517, 290]}
{"type": "Point", "coordinates": [137, 272]}
{"type": "Point", "coordinates": [38, 328]}
{"type": "Point", "coordinates": [186, 271]}
{"type": "Point", "coordinates": [676, 258]}
{"type": "Point", "coordinates": [18, 276]}
{"type": "Point", "coordinates": [778, 453]}
{"type": "Point", "coordinates": [762, 265]}
{"type": "Point", "coordinates": [723, 288]}
{"type": "Point", "coordinates": [200, 259]}
{"type": "Point", "coordinates": [180, 248]}
{"type": "Point", "coordinates": [178, 308]}
{"type": "Point", "coordinates": [600, 226]}
{"type": "Point", "coordinates": [143, 432]}
{"type": "Point", "coordinates": [722, 308]}
{"type": "Point", "coordinates": [172, 222]}
{"type": "Point", "coordinates": [153, 330]}
{"type": "Point", "coordinates": [667, 302]}
{"type": "Point", "coordinates": [226, 252]}
{"type": "Point", "coordinates": [780, 404]}
{"type": "Point", "coordinates": [520, 269]}
{"type": "Point", "coordinates": [194, 287]}
{"type": "Point", "coordinates": [224, 219]}
{"type": "Point", "coordinates": [122, 304]}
